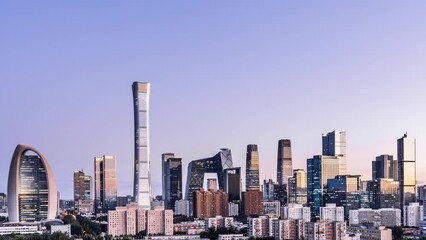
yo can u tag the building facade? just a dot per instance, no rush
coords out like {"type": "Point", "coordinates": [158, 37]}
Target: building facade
{"type": "Point", "coordinates": [385, 167]}
{"type": "Point", "coordinates": [296, 212]}
{"type": "Point", "coordinates": [388, 217]}
{"type": "Point", "coordinates": [252, 167]}
{"type": "Point", "coordinates": [83, 201]}
{"type": "Point", "coordinates": [142, 166]}
{"type": "Point", "coordinates": [31, 191]}
{"type": "Point", "coordinates": [232, 184]}
{"type": "Point", "coordinates": [284, 161]}
{"type": "Point", "coordinates": [413, 215]}
{"type": "Point", "coordinates": [407, 170]}
{"type": "Point", "coordinates": [159, 221]}
{"type": "Point", "coordinates": [344, 191]}
{"type": "Point", "coordinates": [105, 183]}
{"type": "Point", "coordinates": [210, 203]}
{"type": "Point", "coordinates": [297, 189]}
{"type": "Point", "coordinates": [173, 178]}
{"type": "Point", "coordinates": [252, 202]}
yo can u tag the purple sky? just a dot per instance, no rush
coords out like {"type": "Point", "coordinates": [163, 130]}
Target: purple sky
{"type": "Point", "coordinates": [222, 73]}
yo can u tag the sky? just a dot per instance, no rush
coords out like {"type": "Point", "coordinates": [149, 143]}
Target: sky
{"type": "Point", "coordinates": [223, 74]}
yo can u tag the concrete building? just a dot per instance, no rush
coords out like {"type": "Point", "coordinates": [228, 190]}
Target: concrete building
{"type": "Point", "coordinates": [413, 215]}
{"type": "Point", "coordinates": [388, 217]}
{"type": "Point", "coordinates": [83, 190]}
{"type": "Point", "coordinates": [210, 204]}
{"type": "Point", "coordinates": [325, 230]}
{"type": "Point", "coordinates": [286, 229]}
{"type": "Point", "coordinates": [272, 209]}
{"type": "Point", "coordinates": [182, 208]}
{"type": "Point", "coordinates": [232, 237]}
{"type": "Point", "coordinates": [31, 191]}
{"type": "Point", "coordinates": [105, 183]}
{"type": "Point", "coordinates": [332, 213]}
{"type": "Point", "coordinates": [296, 212]}
{"type": "Point", "coordinates": [218, 222]}
{"type": "Point", "coordinates": [127, 220]}
{"type": "Point", "coordinates": [370, 232]}
{"type": "Point", "coordinates": [142, 165]}
{"type": "Point", "coordinates": [252, 202]}
{"type": "Point", "coordinates": [159, 221]}
{"type": "Point", "coordinates": [233, 209]}
{"type": "Point", "coordinates": [258, 226]}
{"type": "Point", "coordinates": [18, 228]}
{"type": "Point", "coordinates": [61, 228]}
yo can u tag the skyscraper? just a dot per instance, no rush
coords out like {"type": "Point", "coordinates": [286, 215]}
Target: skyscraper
{"type": "Point", "coordinates": [252, 167]}
{"type": "Point", "coordinates": [197, 169]}
{"type": "Point", "coordinates": [164, 158]}
{"type": "Point", "coordinates": [268, 190]}
{"type": "Point", "coordinates": [385, 167]}
{"type": "Point", "coordinates": [31, 190]}
{"type": "Point", "coordinates": [83, 202]}
{"type": "Point", "coordinates": [334, 144]}
{"type": "Point", "coordinates": [297, 187]}
{"type": "Point", "coordinates": [142, 176]}
{"type": "Point", "coordinates": [319, 170]}
{"type": "Point", "coordinates": [407, 169]}
{"type": "Point", "coordinates": [232, 184]}
{"type": "Point", "coordinates": [284, 162]}
{"type": "Point", "coordinates": [173, 171]}
{"type": "Point", "coordinates": [343, 190]}
{"type": "Point", "coordinates": [105, 183]}
{"type": "Point", "coordinates": [384, 193]}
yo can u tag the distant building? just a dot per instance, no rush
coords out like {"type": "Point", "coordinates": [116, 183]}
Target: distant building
{"type": "Point", "coordinates": [268, 190]}
{"type": "Point", "coordinates": [232, 184]}
{"type": "Point", "coordinates": [258, 226]}
{"type": "Point", "coordinates": [83, 201]}
{"type": "Point", "coordinates": [385, 167]}
{"type": "Point", "coordinates": [212, 184]}
{"type": "Point", "coordinates": [252, 202]}
{"type": "Point", "coordinates": [407, 170]}
{"type": "Point", "coordinates": [344, 191]}
{"type": "Point", "coordinates": [31, 191]}
{"type": "Point", "coordinates": [296, 212]}
{"type": "Point", "coordinates": [388, 217]}
{"type": "Point", "coordinates": [123, 201]}
{"type": "Point", "coordinates": [66, 229]}
{"type": "Point", "coordinates": [384, 193]}
{"type": "Point", "coordinates": [173, 181]}
{"type": "Point", "coordinates": [18, 228]}
{"type": "Point", "coordinates": [286, 229]}
{"type": "Point", "coordinates": [319, 170]}
{"type": "Point", "coordinates": [218, 222]}
{"type": "Point", "coordinates": [159, 221]}
{"type": "Point", "coordinates": [413, 215]}
{"type": "Point", "coordinates": [284, 161]}
{"type": "Point", "coordinates": [370, 232]}
{"type": "Point", "coordinates": [332, 213]}
{"type": "Point", "coordinates": [325, 230]}
{"type": "Point", "coordinates": [105, 183]}
{"type": "Point", "coordinates": [210, 204]}
{"type": "Point", "coordinates": [233, 209]}
{"type": "Point", "coordinates": [127, 220]}
{"type": "Point", "coordinates": [271, 209]}
{"type": "Point", "coordinates": [252, 167]}
{"type": "Point", "coordinates": [3, 203]}
{"type": "Point", "coordinates": [182, 208]}
{"type": "Point", "coordinates": [297, 189]}
{"type": "Point", "coordinates": [197, 169]}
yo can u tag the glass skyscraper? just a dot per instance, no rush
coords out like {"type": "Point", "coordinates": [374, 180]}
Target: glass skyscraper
{"type": "Point", "coordinates": [297, 187]}
{"type": "Point", "coordinates": [252, 167]}
{"type": "Point", "coordinates": [344, 191]}
{"type": "Point", "coordinates": [232, 184]}
{"type": "Point", "coordinates": [173, 171]}
{"type": "Point", "coordinates": [164, 158]}
{"type": "Point", "coordinates": [284, 161]}
{"type": "Point", "coordinates": [385, 167]}
{"type": "Point", "coordinates": [82, 192]}
{"type": "Point", "coordinates": [105, 183]}
{"type": "Point", "coordinates": [142, 174]}
{"type": "Point", "coordinates": [31, 192]}
{"type": "Point", "coordinates": [334, 144]}
{"type": "Point", "coordinates": [407, 169]}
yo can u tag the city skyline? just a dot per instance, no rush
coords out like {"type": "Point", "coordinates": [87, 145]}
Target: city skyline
{"type": "Point", "coordinates": [203, 100]}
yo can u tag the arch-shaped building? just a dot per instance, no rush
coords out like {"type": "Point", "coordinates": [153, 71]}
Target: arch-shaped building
{"type": "Point", "coordinates": [31, 190]}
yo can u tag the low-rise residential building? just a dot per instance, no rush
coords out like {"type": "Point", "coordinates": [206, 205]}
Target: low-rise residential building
{"type": "Point", "coordinates": [332, 213]}
{"type": "Point", "coordinates": [413, 214]}
{"type": "Point", "coordinates": [159, 221]}
{"type": "Point", "coordinates": [127, 220]}
{"type": "Point", "coordinates": [61, 228]}
{"type": "Point", "coordinates": [296, 211]}
{"type": "Point", "coordinates": [370, 232]}
{"type": "Point", "coordinates": [233, 209]}
{"type": "Point", "coordinates": [325, 230]}
{"type": "Point", "coordinates": [258, 226]}
{"type": "Point", "coordinates": [219, 222]}
{"type": "Point", "coordinates": [272, 208]}
{"type": "Point", "coordinates": [388, 217]}
{"type": "Point", "coordinates": [182, 207]}
{"type": "Point", "coordinates": [232, 237]}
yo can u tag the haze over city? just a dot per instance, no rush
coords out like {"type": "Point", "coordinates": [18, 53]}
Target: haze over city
{"type": "Point", "coordinates": [222, 75]}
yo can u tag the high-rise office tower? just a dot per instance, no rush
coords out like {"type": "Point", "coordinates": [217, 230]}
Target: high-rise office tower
{"type": "Point", "coordinates": [280, 193]}
{"type": "Point", "coordinates": [407, 169]}
{"type": "Point", "coordinates": [319, 170]}
{"type": "Point", "coordinates": [284, 162]}
{"type": "Point", "coordinates": [384, 193]}
{"type": "Point", "coordinates": [344, 191]}
{"type": "Point", "coordinates": [105, 183]}
{"type": "Point", "coordinates": [297, 187]}
{"type": "Point", "coordinates": [385, 167]}
{"type": "Point", "coordinates": [164, 158]}
{"type": "Point", "coordinates": [252, 167]}
{"type": "Point", "coordinates": [173, 171]}
{"type": "Point", "coordinates": [232, 184]}
{"type": "Point", "coordinates": [142, 176]}
{"type": "Point", "coordinates": [212, 184]}
{"type": "Point", "coordinates": [31, 191]}
{"type": "Point", "coordinates": [334, 144]}
{"type": "Point", "coordinates": [268, 190]}
{"type": "Point", "coordinates": [83, 202]}
{"type": "Point", "coordinates": [198, 168]}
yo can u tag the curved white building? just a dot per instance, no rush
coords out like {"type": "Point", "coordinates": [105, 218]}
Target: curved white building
{"type": "Point", "coordinates": [31, 190]}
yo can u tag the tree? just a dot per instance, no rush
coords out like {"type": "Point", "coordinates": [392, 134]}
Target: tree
{"type": "Point", "coordinates": [397, 233]}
